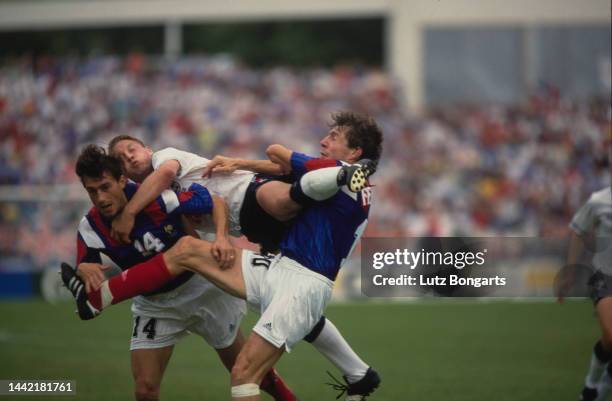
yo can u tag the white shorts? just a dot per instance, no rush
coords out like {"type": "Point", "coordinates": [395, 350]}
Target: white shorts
{"type": "Point", "coordinates": [197, 306]}
{"type": "Point", "coordinates": [290, 298]}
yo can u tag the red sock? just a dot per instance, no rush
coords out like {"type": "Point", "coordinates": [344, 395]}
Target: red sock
{"type": "Point", "coordinates": [139, 279]}
{"type": "Point", "coordinates": [274, 385]}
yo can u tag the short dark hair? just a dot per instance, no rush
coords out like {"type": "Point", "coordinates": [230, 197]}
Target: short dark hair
{"type": "Point", "coordinates": [93, 162]}
{"type": "Point", "coordinates": [363, 132]}
{"type": "Point", "coordinates": [120, 138]}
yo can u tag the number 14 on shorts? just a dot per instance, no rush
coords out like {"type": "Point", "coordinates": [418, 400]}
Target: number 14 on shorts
{"type": "Point", "coordinates": [148, 329]}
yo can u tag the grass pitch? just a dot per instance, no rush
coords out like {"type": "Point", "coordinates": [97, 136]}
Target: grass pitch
{"type": "Point", "coordinates": [457, 350]}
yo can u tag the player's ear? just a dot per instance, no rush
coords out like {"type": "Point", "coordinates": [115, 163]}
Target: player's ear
{"type": "Point", "coordinates": [355, 154]}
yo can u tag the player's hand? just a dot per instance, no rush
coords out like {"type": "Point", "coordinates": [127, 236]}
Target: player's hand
{"type": "Point", "coordinates": [122, 226]}
{"type": "Point", "coordinates": [223, 252]}
{"type": "Point", "coordinates": [92, 275]}
{"type": "Point", "coordinates": [220, 164]}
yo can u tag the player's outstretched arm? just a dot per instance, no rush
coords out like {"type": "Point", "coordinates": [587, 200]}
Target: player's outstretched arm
{"type": "Point", "coordinates": [222, 249]}
{"type": "Point", "coordinates": [150, 189]}
{"type": "Point", "coordinates": [280, 155]}
{"type": "Point", "coordinates": [227, 165]}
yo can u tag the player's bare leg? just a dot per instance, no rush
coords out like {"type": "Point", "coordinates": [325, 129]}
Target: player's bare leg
{"type": "Point", "coordinates": [195, 255]}
{"type": "Point", "coordinates": [228, 355]}
{"type": "Point", "coordinates": [274, 198]}
{"type": "Point", "coordinates": [148, 367]}
{"type": "Point", "coordinates": [283, 201]}
{"type": "Point", "coordinates": [256, 358]}
{"type": "Point", "coordinates": [602, 381]}
{"type": "Point", "coordinates": [272, 382]}
{"type": "Point", "coordinates": [188, 254]}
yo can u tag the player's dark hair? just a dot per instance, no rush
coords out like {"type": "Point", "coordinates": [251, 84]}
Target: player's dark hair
{"type": "Point", "coordinates": [363, 133]}
{"type": "Point", "coordinates": [93, 162]}
{"type": "Point", "coordinates": [120, 138]}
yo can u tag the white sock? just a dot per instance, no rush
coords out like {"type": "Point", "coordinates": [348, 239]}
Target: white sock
{"type": "Point", "coordinates": [334, 347]}
{"type": "Point", "coordinates": [320, 184]}
{"type": "Point", "coordinates": [604, 389]}
{"type": "Point", "coordinates": [106, 296]}
{"type": "Point", "coordinates": [595, 370]}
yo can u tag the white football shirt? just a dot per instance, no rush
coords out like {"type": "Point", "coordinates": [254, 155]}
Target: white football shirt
{"type": "Point", "coordinates": [231, 187]}
{"type": "Point", "coordinates": [595, 218]}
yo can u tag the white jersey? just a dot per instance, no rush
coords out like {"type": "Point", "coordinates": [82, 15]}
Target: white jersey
{"type": "Point", "coordinates": [231, 187]}
{"type": "Point", "coordinates": [595, 218]}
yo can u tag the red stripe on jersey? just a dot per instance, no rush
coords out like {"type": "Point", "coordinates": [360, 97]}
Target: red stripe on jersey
{"type": "Point", "coordinates": [155, 212]}
{"type": "Point", "coordinates": [97, 218]}
{"type": "Point", "coordinates": [315, 164]}
{"type": "Point", "coordinates": [184, 196]}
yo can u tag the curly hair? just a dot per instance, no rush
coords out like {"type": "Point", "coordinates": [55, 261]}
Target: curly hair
{"type": "Point", "coordinates": [363, 132]}
{"type": "Point", "coordinates": [93, 162]}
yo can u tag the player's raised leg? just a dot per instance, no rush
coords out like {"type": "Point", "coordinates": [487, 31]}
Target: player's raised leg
{"type": "Point", "coordinates": [195, 255]}
{"type": "Point", "coordinates": [323, 180]}
{"type": "Point", "coordinates": [188, 254]}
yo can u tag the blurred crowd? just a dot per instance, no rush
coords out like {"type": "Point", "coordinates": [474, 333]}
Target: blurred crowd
{"type": "Point", "coordinates": [477, 170]}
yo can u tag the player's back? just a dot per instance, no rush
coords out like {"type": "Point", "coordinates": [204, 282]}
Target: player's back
{"type": "Point", "coordinates": [594, 219]}
{"type": "Point", "coordinates": [323, 235]}
{"type": "Point", "coordinates": [231, 187]}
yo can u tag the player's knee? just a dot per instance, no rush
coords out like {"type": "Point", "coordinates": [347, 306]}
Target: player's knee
{"type": "Point", "coordinates": [316, 330]}
{"type": "Point", "coordinates": [146, 390]}
{"type": "Point", "coordinates": [272, 150]}
{"type": "Point", "coordinates": [184, 248]}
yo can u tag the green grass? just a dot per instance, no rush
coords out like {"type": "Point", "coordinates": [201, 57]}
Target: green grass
{"type": "Point", "coordinates": [434, 350]}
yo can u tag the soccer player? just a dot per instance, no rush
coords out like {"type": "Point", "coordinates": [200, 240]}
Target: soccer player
{"type": "Point", "coordinates": [592, 225]}
{"type": "Point", "coordinates": [260, 205]}
{"type": "Point", "coordinates": [185, 303]}
{"type": "Point", "coordinates": [291, 290]}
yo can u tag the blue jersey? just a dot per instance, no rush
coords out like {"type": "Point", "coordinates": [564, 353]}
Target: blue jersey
{"type": "Point", "coordinates": [323, 235]}
{"type": "Point", "coordinates": [156, 229]}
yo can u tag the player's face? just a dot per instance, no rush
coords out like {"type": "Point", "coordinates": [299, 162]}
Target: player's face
{"type": "Point", "coordinates": [136, 159]}
{"type": "Point", "coordinates": [335, 146]}
{"type": "Point", "coordinates": [106, 193]}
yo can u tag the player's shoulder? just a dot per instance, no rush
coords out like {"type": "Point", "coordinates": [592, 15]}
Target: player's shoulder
{"type": "Point", "coordinates": [89, 231]}
{"type": "Point", "coordinates": [602, 197]}
{"type": "Point", "coordinates": [184, 158]}
{"type": "Point", "coordinates": [168, 153]}
{"type": "Point", "coordinates": [92, 220]}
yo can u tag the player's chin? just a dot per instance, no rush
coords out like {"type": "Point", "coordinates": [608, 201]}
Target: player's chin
{"type": "Point", "coordinates": [108, 212]}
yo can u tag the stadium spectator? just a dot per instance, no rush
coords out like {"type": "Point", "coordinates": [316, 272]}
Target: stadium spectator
{"type": "Point", "coordinates": [478, 170]}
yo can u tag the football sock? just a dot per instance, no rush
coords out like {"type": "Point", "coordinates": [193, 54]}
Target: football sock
{"type": "Point", "coordinates": [334, 347]}
{"type": "Point", "coordinates": [274, 385]}
{"type": "Point", "coordinates": [604, 388]}
{"type": "Point", "coordinates": [316, 185]}
{"type": "Point", "coordinates": [599, 359]}
{"type": "Point", "coordinates": [139, 279]}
